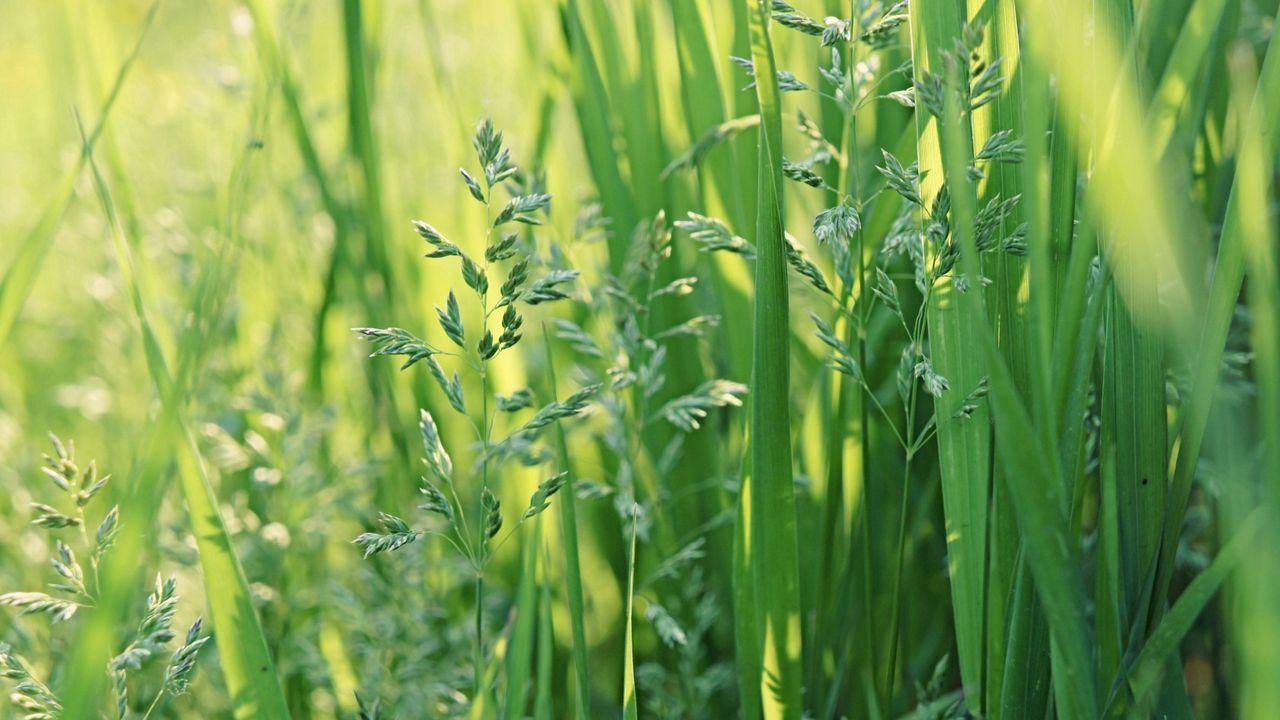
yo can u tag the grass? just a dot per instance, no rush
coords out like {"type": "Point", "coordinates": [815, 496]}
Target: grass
{"type": "Point", "coordinates": [896, 360]}
{"type": "Point", "coordinates": [774, 557]}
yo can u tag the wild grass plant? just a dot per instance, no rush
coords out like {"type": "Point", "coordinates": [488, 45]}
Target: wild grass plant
{"type": "Point", "coordinates": [880, 359]}
{"type": "Point", "coordinates": [78, 589]}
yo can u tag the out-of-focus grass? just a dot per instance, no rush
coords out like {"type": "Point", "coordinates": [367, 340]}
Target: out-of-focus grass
{"type": "Point", "coordinates": [183, 120]}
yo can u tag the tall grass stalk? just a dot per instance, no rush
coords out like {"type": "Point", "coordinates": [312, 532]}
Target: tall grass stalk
{"type": "Point", "coordinates": [774, 548]}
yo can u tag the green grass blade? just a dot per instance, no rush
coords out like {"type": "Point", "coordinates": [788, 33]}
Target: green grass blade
{"type": "Point", "coordinates": [364, 143]}
{"type": "Point", "coordinates": [1024, 689]}
{"type": "Point", "coordinates": [1134, 423]}
{"type": "Point", "coordinates": [573, 572]}
{"type": "Point", "coordinates": [272, 54]}
{"type": "Point", "coordinates": [1184, 63]}
{"type": "Point", "coordinates": [520, 657]}
{"type": "Point", "coordinates": [1151, 663]}
{"type": "Point", "coordinates": [1110, 613]}
{"type": "Point", "coordinates": [591, 101]}
{"type": "Point", "coordinates": [963, 443]}
{"type": "Point", "coordinates": [1018, 666]}
{"type": "Point", "coordinates": [544, 701]}
{"type": "Point", "coordinates": [1041, 510]}
{"type": "Point", "coordinates": [775, 566]}
{"type": "Point", "coordinates": [746, 616]}
{"type": "Point", "coordinates": [630, 709]}
{"type": "Point", "coordinates": [1127, 194]}
{"type": "Point", "coordinates": [1021, 322]}
{"type": "Point", "coordinates": [483, 706]}
{"type": "Point", "coordinates": [1257, 623]}
{"type": "Point", "coordinates": [704, 108]}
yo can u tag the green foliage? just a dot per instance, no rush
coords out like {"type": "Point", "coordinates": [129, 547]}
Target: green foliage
{"type": "Point", "coordinates": [81, 590]}
{"type": "Point", "coordinates": [1016, 462]}
{"type": "Point", "coordinates": [525, 208]}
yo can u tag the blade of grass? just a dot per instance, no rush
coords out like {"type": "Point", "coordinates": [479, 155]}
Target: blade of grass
{"type": "Point", "coordinates": [544, 703]}
{"type": "Point", "coordinates": [573, 572]}
{"type": "Point", "coordinates": [275, 57]}
{"type": "Point", "coordinates": [963, 443]}
{"type": "Point", "coordinates": [1133, 395]}
{"type": "Point", "coordinates": [156, 448]}
{"type": "Point", "coordinates": [1150, 665]}
{"type": "Point", "coordinates": [372, 271]}
{"type": "Point", "coordinates": [775, 565]}
{"type": "Point", "coordinates": [1127, 192]}
{"type": "Point", "coordinates": [520, 657]}
{"type": "Point", "coordinates": [1110, 612]}
{"type": "Point", "coordinates": [746, 615]}
{"type": "Point", "coordinates": [591, 103]}
{"type": "Point", "coordinates": [483, 706]}
{"type": "Point", "coordinates": [1023, 694]}
{"type": "Point", "coordinates": [1022, 329]}
{"type": "Point", "coordinates": [1184, 63]}
{"type": "Point", "coordinates": [1017, 684]}
{"type": "Point", "coordinates": [630, 710]}
{"type": "Point", "coordinates": [1258, 623]}
{"type": "Point", "coordinates": [844, 437]}
{"type": "Point", "coordinates": [703, 109]}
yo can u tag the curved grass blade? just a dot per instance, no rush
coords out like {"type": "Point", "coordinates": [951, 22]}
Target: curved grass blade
{"type": "Point", "coordinates": [1258, 623]}
{"type": "Point", "coordinates": [1150, 665]}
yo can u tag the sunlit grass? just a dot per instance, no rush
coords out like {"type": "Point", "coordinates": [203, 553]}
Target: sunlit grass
{"type": "Point", "coordinates": [820, 359]}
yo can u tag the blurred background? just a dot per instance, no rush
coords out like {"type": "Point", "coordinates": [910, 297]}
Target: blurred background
{"type": "Point", "coordinates": [266, 195]}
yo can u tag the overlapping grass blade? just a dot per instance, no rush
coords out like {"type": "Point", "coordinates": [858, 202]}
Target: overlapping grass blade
{"type": "Point", "coordinates": [592, 103]}
{"type": "Point", "coordinates": [1224, 291]}
{"type": "Point", "coordinates": [1258, 583]}
{"type": "Point", "coordinates": [1146, 670]}
{"type": "Point", "coordinates": [964, 444]}
{"type": "Point", "coordinates": [1035, 485]}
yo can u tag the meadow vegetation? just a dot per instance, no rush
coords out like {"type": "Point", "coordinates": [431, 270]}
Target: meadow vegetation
{"type": "Point", "coordinates": [641, 359]}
